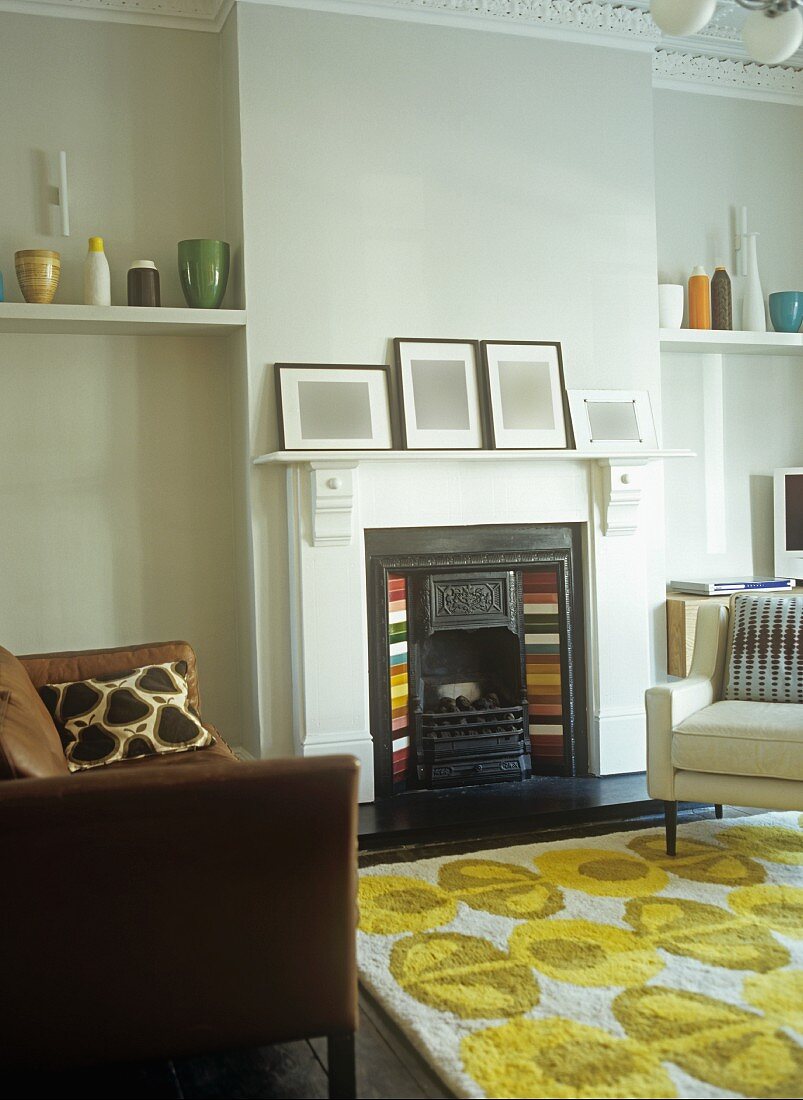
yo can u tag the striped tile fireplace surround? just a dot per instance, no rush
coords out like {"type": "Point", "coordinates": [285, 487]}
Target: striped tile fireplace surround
{"type": "Point", "coordinates": [399, 680]}
{"type": "Point", "coordinates": [546, 561]}
{"type": "Point", "coordinates": [539, 593]}
{"type": "Point", "coordinates": [542, 648]}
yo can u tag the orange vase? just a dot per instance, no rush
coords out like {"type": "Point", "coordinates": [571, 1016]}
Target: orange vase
{"type": "Point", "coordinates": [699, 299]}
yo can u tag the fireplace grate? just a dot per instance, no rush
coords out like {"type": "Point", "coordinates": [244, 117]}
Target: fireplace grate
{"type": "Point", "coordinates": [477, 746]}
{"type": "Point", "coordinates": [471, 723]}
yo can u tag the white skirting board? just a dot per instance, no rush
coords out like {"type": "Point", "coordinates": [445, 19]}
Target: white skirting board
{"type": "Point", "coordinates": [360, 746]}
{"type": "Point", "coordinates": [618, 742]}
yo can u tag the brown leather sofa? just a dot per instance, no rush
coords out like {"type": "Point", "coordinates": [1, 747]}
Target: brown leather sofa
{"type": "Point", "coordinates": [173, 905]}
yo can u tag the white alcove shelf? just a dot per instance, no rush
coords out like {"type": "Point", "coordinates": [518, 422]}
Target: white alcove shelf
{"type": "Point", "coordinates": [75, 320]}
{"type": "Point", "coordinates": [718, 342]}
{"type": "Point", "coordinates": [715, 347]}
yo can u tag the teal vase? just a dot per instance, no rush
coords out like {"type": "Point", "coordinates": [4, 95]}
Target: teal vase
{"type": "Point", "coordinates": [203, 267]}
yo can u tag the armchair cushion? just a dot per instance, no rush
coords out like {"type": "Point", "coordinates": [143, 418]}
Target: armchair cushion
{"type": "Point", "coordinates": [29, 742]}
{"type": "Point", "coordinates": [738, 738]}
{"type": "Point", "coordinates": [765, 649]}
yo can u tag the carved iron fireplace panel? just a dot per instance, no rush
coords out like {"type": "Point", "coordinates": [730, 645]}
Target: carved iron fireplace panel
{"type": "Point", "coordinates": [476, 654]}
{"type": "Point", "coordinates": [468, 697]}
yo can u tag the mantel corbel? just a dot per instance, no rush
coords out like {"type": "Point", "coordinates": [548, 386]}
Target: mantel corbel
{"type": "Point", "coordinates": [333, 498]}
{"type": "Point", "coordinates": [622, 488]}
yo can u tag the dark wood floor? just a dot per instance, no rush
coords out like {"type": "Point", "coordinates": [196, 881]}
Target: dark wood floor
{"type": "Point", "coordinates": [387, 1064]}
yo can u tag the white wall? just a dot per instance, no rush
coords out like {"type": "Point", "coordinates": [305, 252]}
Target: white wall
{"type": "Point", "coordinates": [396, 179]}
{"type": "Point", "coordinates": [406, 180]}
{"type": "Point", "coordinates": [713, 154]}
{"type": "Point", "coordinates": [115, 467]}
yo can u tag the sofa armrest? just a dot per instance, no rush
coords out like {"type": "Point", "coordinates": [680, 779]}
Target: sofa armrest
{"type": "Point", "coordinates": [170, 912]}
{"type": "Point", "coordinates": [670, 704]}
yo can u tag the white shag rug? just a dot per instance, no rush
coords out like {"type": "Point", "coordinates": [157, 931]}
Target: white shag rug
{"type": "Point", "coordinates": [599, 967]}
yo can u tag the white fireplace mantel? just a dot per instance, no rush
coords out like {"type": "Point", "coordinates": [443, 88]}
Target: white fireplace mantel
{"type": "Point", "coordinates": [333, 497]}
{"type": "Point", "coordinates": [333, 487]}
{"type": "Point", "coordinates": [299, 458]}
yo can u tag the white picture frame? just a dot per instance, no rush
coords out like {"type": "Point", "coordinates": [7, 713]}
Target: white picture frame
{"type": "Point", "coordinates": [612, 420]}
{"type": "Point", "coordinates": [525, 394]}
{"type": "Point", "coordinates": [440, 395]}
{"type": "Point", "coordinates": [328, 407]}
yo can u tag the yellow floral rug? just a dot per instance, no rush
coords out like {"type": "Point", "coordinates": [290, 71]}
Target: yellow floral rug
{"type": "Point", "coordinates": [600, 967]}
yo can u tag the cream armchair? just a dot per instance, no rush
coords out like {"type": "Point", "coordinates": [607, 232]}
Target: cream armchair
{"type": "Point", "coordinates": [701, 748]}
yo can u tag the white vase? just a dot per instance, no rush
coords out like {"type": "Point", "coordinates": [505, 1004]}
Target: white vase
{"type": "Point", "coordinates": [670, 305]}
{"type": "Point", "coordinates": [754, 317]}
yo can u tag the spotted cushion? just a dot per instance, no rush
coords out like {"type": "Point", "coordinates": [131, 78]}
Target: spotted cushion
{"type": "Point", "coordinates": [139, 713]}
{"type": "Point", "coordinates": [765, 649]}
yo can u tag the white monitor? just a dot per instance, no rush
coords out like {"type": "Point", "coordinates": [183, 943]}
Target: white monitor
{"type": "Point", "coordinates": [789, 522]}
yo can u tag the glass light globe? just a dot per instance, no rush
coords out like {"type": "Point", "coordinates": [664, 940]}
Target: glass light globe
{"type": "Point", "coordinates": [679, 17]}
{"type": "Point", "coordinates": [770, 40]}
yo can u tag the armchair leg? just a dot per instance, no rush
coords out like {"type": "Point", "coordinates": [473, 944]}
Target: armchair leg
{"type": "Point", "coordinates": [671, 820]}
{"type": "Point", "coordinates": [718, 809]}
{"type": "Point", "coordinates": [342, 1068]}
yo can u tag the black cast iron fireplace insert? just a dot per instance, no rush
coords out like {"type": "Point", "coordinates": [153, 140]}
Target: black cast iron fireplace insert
{"type": "Point", "coordinates": [467, 678]}
{"type": "Point", "coordinates": [469, 719]}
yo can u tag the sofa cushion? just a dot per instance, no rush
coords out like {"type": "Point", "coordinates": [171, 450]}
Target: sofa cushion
{"type": "Point", "coordinates": [29, 742]}
{"type": "Point", "coordinates": [765, 649]}
{"type": "Point", "coordinates": [144, 712]}
{"type": "Point", "coordinates": [738, 738]}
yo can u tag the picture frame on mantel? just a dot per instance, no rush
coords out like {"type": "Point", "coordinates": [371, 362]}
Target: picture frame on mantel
{"type": "Point", "coordinates": [525, 395]}
{"type": "Point", "coordinates": [333, 407]}
{"type": "Point", "coordinates": [440, 394]}
{"type": "Point", "coordinates": [612, 420]}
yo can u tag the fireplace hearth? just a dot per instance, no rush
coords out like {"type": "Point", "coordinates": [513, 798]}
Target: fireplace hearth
{"type": "Point", "coordinates": [476, 673]}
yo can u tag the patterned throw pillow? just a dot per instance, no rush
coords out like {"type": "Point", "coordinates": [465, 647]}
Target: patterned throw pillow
{"type": "Point", "coordinates": [140, 713]}
{"type": "Point", "coordinates": [765, 649]}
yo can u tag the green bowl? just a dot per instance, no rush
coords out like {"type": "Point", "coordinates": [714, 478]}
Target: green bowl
{"type": "Point", "coordinates": [203, 267]}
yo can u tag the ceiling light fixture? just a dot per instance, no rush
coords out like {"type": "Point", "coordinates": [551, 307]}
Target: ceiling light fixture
{"type": "Point", "coordinates": [772, 32]}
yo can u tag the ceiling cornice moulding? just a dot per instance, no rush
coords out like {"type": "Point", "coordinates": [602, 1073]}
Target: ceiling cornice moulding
{"type": "Point", "coordinates": [722, 76]}
{"type": "Point", "coordinates": [188, 15]}
{"type": "Point", "coordinates": [712, 61]}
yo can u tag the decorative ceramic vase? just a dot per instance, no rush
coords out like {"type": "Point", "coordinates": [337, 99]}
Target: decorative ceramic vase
{"type": "Point", "coordinates": [699, 299]}
{"type": "Point", "coordinates": [786, 310]}
{"type": "Point", "coordinates": [754, 318]}
{"type": "Point", "coordinates": [670, 305]}
{"type": "Point", "coordinates": [38, 271]}
{"type": "Point", "coordinates": [721, 301]}
{"type": "Point", "coordinates": [203, 267]}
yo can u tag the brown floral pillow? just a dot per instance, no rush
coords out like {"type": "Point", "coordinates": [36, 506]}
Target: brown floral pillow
{"type": "Point", "coordinates": [140, 713]}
